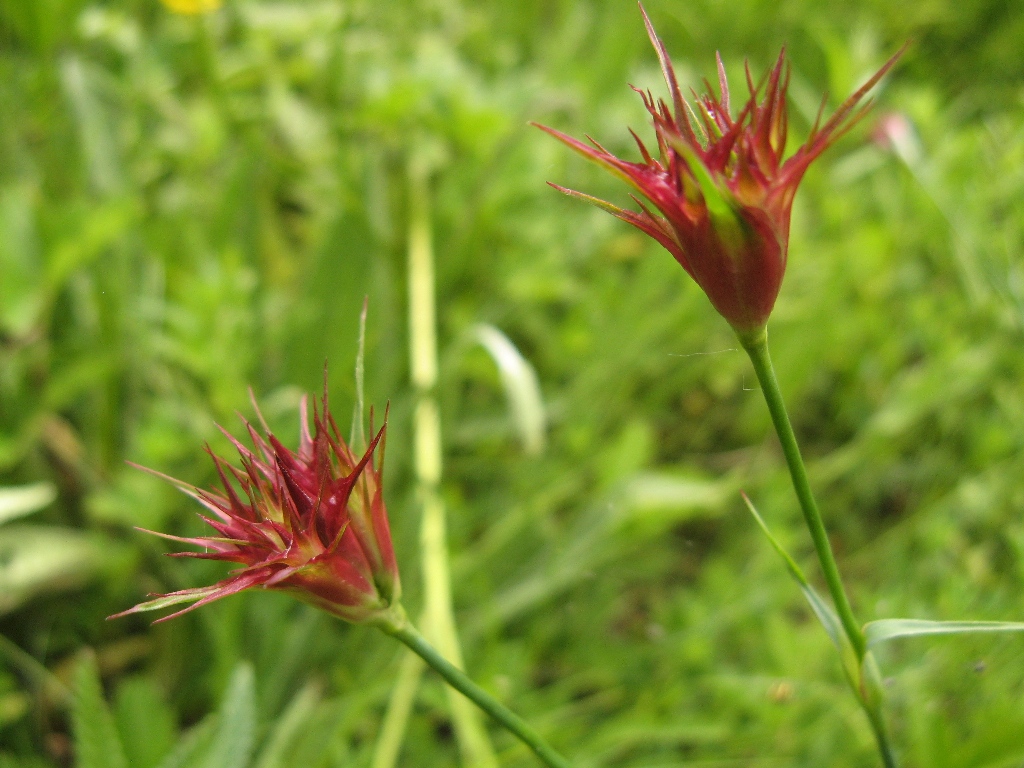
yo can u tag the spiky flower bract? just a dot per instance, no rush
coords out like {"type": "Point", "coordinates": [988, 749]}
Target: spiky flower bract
{"type": "Point", "coordinates": [310, 522]}
{"type": "Point", "coordinates": [721, 184]}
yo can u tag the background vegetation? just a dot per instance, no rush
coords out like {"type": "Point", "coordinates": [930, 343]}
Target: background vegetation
{"type": "Point", "coordinates": [190, 205]}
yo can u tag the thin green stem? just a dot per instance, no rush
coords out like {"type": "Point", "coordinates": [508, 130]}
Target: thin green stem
{"type": "Point", "coordinates": [756, 345]}
{"type": "Point", "coordinates": [884, 748]}
{"type": "Point", "coordinates": [457, 679]}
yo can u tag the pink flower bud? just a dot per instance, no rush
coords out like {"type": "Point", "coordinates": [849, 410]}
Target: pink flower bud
{"type": "Point", "coordinates": [721, 184]}
{"type": "Point", "coordinates": [310, 522]}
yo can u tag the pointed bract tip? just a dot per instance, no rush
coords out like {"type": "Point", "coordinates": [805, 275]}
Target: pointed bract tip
{"type": "Point", "coordinates": [723, 83]}
{"type": "Point", "coordinates": [256, 409]}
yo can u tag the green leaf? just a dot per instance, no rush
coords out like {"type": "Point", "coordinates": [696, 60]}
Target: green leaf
{"type": "Point", "coordinates": [357, 439]}
{"type": "Point", "coordinates": [105, 223]}
{"type": "Point", "coordinates": [650, 502]}
{"type": "Point", "coordinates": [821, 609]}
{"type": "Point", "coordinates": [890, 629]}
{"type": "Point", "coordinates": [25, 499]}
{"type": "Point", "coordinates": [36, 559]}
{"type": "Point", "coordinates": [97, 744]}
{"type": "Point", "coordinates": [522, 388]}
{"type": "Point", "coordinates": [235, 732]}
{"type": "Point", "coordinates": [192, 745]}
{"type": "Point", "coordinates": [80, 84]}
{"type": "Point", "coordinates": [225, 738]}
{"type": "Point", "coordinates": [46, 684]}
{"type": "Point", "coordinates": [21, 297]}
{"type": "Point", "coordinates": [145, 721]}
{"type": "Point", "coordinates": [287, 726]}
{"type": "Point", "coordinates": [684, 495]}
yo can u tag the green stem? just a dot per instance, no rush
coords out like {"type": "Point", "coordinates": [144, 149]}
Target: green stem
{"type": "Point", "coordinates": [756, 345]}
{"type": "Point", "coordinates": [884, 748]}
{"type": "Point", "coordinates": [402, 630]}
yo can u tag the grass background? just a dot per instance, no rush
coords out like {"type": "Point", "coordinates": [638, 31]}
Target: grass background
{"type": "Point", "coordinates": [190, 206]}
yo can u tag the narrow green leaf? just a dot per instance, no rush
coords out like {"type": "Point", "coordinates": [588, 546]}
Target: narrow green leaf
{"type": "Point", "coordinates": [287, 726]}
{"type": "Point", "coordinates": [192, 745]}
{"type": "Point", "coordinates": [821, 609]}
{"type": "Point", "coordinates": [36, 558]}
{"type": "Point", "coordinates": [21, 294]}
{"type": "Point", "coordinates": [890, 629]}
{"type": "Point", "coordinates": [651, 491]}
{"type": "Point", "coordinates": [105, 223]}
{"type": "Point", "coordinates": [236, 723]}
{"type": "Point", "coordinates": [357, 438]}
{"type": "Point", "coordinates": [96, 133]}
{"type": "Point", "coordinates": [145, 721]}
{"type": "Point", "coordinates": [47, 684]}
{"type": "Point", "coordinates": [97, 744]}
{"type": "Point", "coordinates": [522, 388]}
{"type": "Point", "coordinates": [24, 500]}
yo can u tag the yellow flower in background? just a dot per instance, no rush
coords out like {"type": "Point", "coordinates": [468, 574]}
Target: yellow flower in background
{"type": "Point", "coordinates": [192, 7]}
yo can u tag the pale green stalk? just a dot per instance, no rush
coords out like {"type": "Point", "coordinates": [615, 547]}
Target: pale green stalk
{"type": "Point", "coordinates": [474, 743]}
{"type": "Point", "coordinates": [756, 345]}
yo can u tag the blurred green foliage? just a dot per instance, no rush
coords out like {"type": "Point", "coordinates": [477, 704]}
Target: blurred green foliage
{"type": "Point", "coordinates": [193, 205]}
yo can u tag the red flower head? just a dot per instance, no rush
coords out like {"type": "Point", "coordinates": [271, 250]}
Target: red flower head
{"type": "Point", "coordinates": [311, 523]}
{"type": "Point", "coordinates": [721, 184]}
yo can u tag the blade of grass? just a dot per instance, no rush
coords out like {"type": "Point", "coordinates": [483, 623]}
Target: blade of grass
{"type": "Point", "coordinates": [522, 389]}
{"type": "Point", "coordinates": [236, 723]}
{"type": "Point", "coordinates": [822, 610]}
{"type": "Point", "coordinates": [97, 744]}
{"type": "Point", "coordinates": [287, 726]}
{"type": "Point", "coordinates": [24, 500]}
{"type": "Point", "coordinates": [358, 434]}
{"type": "Point", "coordinates": [883, 630]}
